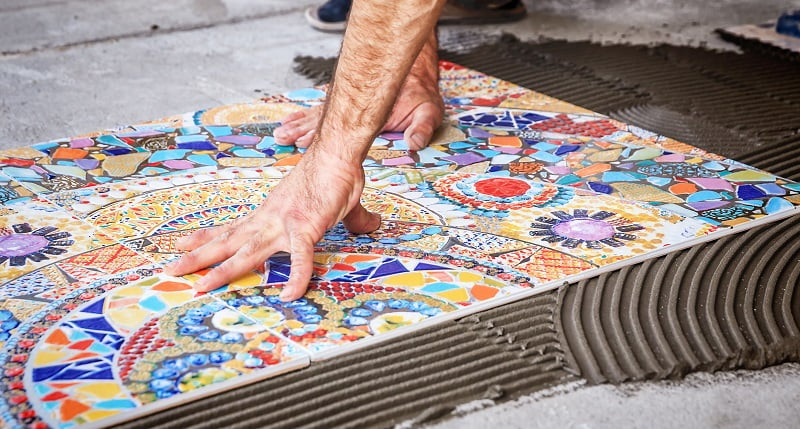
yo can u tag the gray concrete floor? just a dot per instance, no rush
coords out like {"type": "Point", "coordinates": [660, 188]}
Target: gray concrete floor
{"type": "Point", "coordinates": [73, 66]}
{"type": "Point", "coordinates": [740, 399]}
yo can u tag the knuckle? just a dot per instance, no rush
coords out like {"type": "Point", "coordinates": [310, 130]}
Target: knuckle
{"type": "Point", "coordinates": [224, 271]}
{"type": "Point", "coordinates": [253, 247]}
{"type": "Point", "coordinates": [187, 260]}
{"type": "Point", "coordinates": [225, 236]}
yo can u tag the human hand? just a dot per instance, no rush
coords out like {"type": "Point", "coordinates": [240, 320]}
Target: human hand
{"type": "Point", "coordinates": [313, 197]}
{"type": "Point", "coordinates": [418, 112]}
{"type": "Point", "coordinates": [418, 109]}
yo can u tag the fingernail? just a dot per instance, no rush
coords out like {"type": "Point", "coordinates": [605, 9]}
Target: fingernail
{"type": "Point", "coordinates": [285, 295]}
{"type": "Point", "coordinates": [279, 132]}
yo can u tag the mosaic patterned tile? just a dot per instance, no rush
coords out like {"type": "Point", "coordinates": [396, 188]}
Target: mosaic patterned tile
{"type": "Point", "coordinates": [237, 135]}
{"type": "Point", "coordinates": [714, 191]}
{"type": "Point", "coordinates": [427, 245]}
{"type": "Point", "coordinates": [53, 281]}
{"type": "Point", "coordinates": [12, 191]}
{"type": "Point", "coordinates": [36, 233]}
{"type": "Point", "coordinates": [397, 195]}
{"type": "Point", "coordinates": [456, 279]}
{"type": "Point", "coordinates": [511, 261]}
{"type": "Point", "coordinates": [596, 228]}
{"type": "Point", "coordinates": [489, 136]}
{"type": "Point", "coordinates": [152, 206]}
{"type": "Point", "coordinates": [84, 363]}
{"type": "Point", "coordinates": [84, 162]}
{"type": "Point", "coordinates": [462, 86]}
{"type": "Point", "coordinates": [333, 314]}
{"type": "Point", "coordinates": [85, 359]}
{"type": "Point", "coordinates": [13, 312]}
{"type": "Point", "coordinates": [197, 345]}
{"type": "Point", "coordinates": [492, 204]}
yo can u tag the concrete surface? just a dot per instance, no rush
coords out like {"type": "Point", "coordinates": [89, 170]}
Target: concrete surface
{"type": "Point", "coordinates": [740, 399]}
{"type": "Point", "coordinates": [74, 66]}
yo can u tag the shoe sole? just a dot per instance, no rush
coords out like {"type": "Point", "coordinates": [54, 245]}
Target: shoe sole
{"type": "Point", "coordinates": [312, 16]}
{"type": "Point", "coordinates": [454, 15]}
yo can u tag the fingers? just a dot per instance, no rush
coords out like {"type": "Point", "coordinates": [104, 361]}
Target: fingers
{"type": "Point", "coordinates": [302, 254]}
{"type": "Point", "coordinates": [213, 251]}
{"type": "Point", "coordinates": [198, 238]}
{"type": "Point", "coordinates": [247, 258]}
{"type": "Point", "coordinates": [306, 139]}
{"type": "Point", "coordinates": [297, 125]}
{"type": "Point", "coordinates": [361, 221]}
{"type": "Point", "coordinates": [424, 122]}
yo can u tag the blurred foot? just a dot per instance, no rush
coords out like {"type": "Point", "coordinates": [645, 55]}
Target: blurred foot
{"type": "Point", "coordinates": [330, 16]}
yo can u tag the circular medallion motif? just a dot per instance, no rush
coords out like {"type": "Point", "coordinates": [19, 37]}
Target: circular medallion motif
{"type": "Point", "coordinates": [584, 229]}
{"type": "Point", "coordinates": [502, 187]}
{"type": "Point", "coordinates": [499, 194]}
{"type": "Point", "coordinates": [21, 244]}
{"type": "Point", "coordinates": [581, 228]}
{"type": "Point", "coordinates": [24, 243]}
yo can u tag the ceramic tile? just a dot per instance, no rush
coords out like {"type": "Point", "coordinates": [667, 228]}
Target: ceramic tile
{"type": "Point", "coordinates": [95, 355]}
{"type": "Point", "coordinates": [462, 86]}
{"type": "Point", "coordinates": [35, 320]}
{"type": "Point", "coordinates": [198, 344]}
{"type": "Point", "coordinates": [486, 133]}
{"type": "Point", "coordinates": [333, 314]}
{"type": "Point", "coordinates": [53, 281]}
{"type": "Point", "coordinates": [454, 278]}
{"type": "Point", "coordinates": [12, 191]}
{"type": "Point", "coordinates": [39, 242]}
{"type": "Point", "coordinates": [505, 261]}
{"type": "Point", "coordinates": [532, 122]}
{"type": "Point", "coordinates": [719, 192]}
{"type": "Point", "coordinates": [492, 204]}
{"type": "Point", "coordinates": [593, 227]}
{"type": "Point", "coordinates": [157, 205]}
{"type": "Point", "coordinates": [13, 312]}
{"type": "Point", "coordinates": [78, 163]}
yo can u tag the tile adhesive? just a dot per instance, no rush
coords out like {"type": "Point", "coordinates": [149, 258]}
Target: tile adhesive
{"type": "Point", "coordinates": [728, 304]}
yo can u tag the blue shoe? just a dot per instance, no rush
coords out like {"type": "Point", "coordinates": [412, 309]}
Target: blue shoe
{"type": "Point", "coordinates": [331, 16]}
{"type": "Point", "coordinates": [789, 23]}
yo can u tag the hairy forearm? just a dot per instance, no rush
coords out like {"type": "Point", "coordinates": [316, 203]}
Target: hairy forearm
{"type": "Point", "coordinates": [426, 66]}
{"type": "Point", "coordinates": [384, 40]}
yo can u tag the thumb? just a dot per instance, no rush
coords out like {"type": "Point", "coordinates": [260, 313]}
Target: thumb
{"type": "Point", "coordinates": [425, 120]}
{"type": "Point", "coordinates": [361, 221]}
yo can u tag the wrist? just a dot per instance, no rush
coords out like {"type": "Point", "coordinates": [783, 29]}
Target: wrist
{"type": "Point", "coordinates": [337, 156]}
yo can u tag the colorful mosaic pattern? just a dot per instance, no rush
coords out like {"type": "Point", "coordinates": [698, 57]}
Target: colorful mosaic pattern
{"type": "Point", "coordinates": [600, 155]}
{"type": "Point", "coordinates": [517, 193]}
